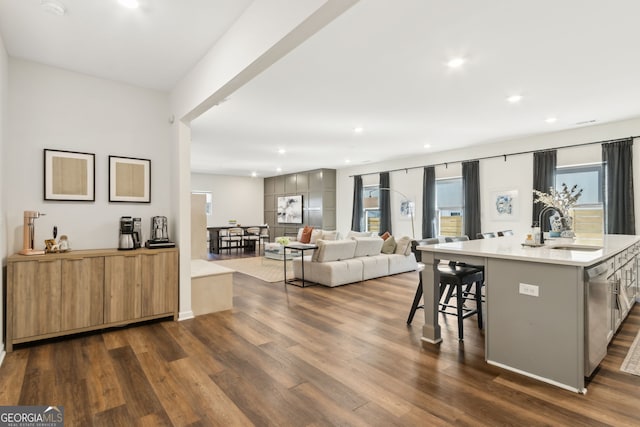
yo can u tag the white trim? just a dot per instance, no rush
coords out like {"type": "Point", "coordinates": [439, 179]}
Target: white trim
{"type": "Point", "coordinates": [539, 378]}
{"type": "Point", "coordinates": [185, 315]}
{"type": "Point", "coordinates": [430, 341]}
{"type": "Point", "coordinates": [2, 355]}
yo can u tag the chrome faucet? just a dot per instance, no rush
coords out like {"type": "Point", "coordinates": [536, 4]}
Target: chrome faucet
{"type": "Point", "coordinates": [542, 212]}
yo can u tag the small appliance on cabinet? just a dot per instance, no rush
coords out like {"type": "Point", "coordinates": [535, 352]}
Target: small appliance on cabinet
{"type": "Point", "coordinates": [159, 234]}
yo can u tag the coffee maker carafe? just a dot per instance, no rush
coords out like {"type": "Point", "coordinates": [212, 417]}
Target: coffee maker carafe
{"type": "Point", "coordinates": [126, 241]}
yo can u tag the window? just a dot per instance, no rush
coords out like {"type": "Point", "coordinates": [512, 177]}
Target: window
{"type": "Point", "coordinates": [449, 206]}
{"type": "Point", "coordinates": [588, 214]}
{"type": "Point", "coordinates": [371, 206]}
{"type": "Point", "coordinates": [209, 201]}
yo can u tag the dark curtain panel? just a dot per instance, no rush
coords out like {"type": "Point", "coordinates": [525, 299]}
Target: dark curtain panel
{"type": "Point", "coordinates": [429, 203]}
{"type": "Point", "coordinates": [544, 177]}
{"type": "Point", "coordinates": [356, 216]}
{"type": "Point", "coordinates": [385, 204]}
{"type": "Point", "coordinates": [618, 159]}
{"type": "Point", "coordinates": [471, 194]}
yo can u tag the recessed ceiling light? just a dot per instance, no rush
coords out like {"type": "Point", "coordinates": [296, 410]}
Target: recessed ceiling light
{"type": "Point", "coordinates": [254, 174]}
{"type": "Point", "coordinates": [131, 4]}
{"type": "Point", "coordinates": [427, 145]}
{"type": "Point", "coordinates": [513, 99]}
{"type": "Point", "coordinates": [278, 169]}
{"type": "Point", "coordinates": [550, 119]}
{"type": "Point", "coordinates": [347, 161]}
{"type": "Point", "coordinates": [358, 129]}
{"type": "Point", "coordinates": [456, 62]}
{"type": "Point", "coordinates": [282, 151]}
{"type": "Point", "coordinates": [53, 6]}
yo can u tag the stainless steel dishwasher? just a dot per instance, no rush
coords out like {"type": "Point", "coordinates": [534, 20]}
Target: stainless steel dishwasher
{"type": "Point", "coordinates": [599, 286]}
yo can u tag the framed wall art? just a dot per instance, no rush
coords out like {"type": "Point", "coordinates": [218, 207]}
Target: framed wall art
{"type": "Point", "coordinates": [129, 180]}
{"type": "Point", "coordinates": [504, 205]}
{"type": "Point", "coordinates": [69, 176]}
{"type": "Point", "coordinates": [290, 209]}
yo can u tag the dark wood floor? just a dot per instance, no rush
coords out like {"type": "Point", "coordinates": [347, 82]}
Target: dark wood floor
{"type": "Point", "coordinates": [314, 356]}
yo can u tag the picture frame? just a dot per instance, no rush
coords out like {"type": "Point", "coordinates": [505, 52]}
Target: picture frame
{"type": "Point", "coordinates": [129, 180]}
{"type": "Point", "coordinates": [504, 205]}
{"type": "Point", "coordinates": [290, 209]}
{"type": "Point", "coordinates": [69, 176]}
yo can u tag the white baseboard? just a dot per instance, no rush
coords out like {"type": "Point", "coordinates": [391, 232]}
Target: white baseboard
{"type": "Point", "coordinates": [185, 315]}
{"type": "Point", "coordinates": [2, 355]}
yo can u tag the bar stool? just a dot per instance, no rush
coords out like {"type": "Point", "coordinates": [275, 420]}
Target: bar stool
{"type": "Point", "coordinates": [453, 277]}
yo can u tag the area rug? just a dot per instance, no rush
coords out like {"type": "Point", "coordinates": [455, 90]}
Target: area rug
{"type": "Point", "coordinates": [269, 270]}
{"type": "Point", "coordinates": [631, 363]}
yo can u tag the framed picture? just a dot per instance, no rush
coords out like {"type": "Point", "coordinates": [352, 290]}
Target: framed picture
{"type": "Point", "coordinates": [69, 176]}
{"type": "Point", "coordinates": [290, 209]}
{"type": "Point", "coordinates": [129, 180]}
{"type": "Point", "coordinates": [504, 205]}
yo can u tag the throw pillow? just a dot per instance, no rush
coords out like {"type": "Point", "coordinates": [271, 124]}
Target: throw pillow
{"type": "Point", "coordinates": [389, 246]}
{"type": "Point", "coordinates": [316, 235]}
{"type": "Point", "coordinates": [306, 234]}
{"type": "Point", "coordinates": [403, 245]}
{"type": "Point", "coordinates": [386, 235]}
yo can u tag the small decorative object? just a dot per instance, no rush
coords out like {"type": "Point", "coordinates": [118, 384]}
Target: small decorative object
{"type": "Point", "coordinates": [63, 244]}
{"type": "Point", "coordinates": [51, 246]}
{"type": "Point", "coordinates": [233, 222]}
{"type": "Point", "coordinates": [563, 201]}
{"type": "Point", "coordinates": [283, 240]}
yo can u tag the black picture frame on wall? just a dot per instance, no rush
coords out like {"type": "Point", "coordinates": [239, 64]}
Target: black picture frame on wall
{"type": "Point", "coordinates": [69, 176]}
{"type": "Point", "coordinates": [290, 209]}
{"type": "Point", "coordinates": [129, 180]}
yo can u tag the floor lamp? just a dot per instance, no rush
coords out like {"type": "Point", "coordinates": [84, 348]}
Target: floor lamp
{"type": "Point", "coordinates": [413, 229]}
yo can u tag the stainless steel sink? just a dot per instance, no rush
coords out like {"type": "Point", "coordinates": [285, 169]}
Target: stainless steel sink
{"type": "Point", "coordinates": [570, 247]}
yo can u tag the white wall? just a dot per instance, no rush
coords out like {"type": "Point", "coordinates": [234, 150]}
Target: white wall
{"type": "Point", "coordinates": [3, 130]}
{"type": "Point", "coordinates": [57, 109]}
{"type": "Point", "coordinates": [234, 197]}
{"type": "Point", "coordinates": [516, 173]}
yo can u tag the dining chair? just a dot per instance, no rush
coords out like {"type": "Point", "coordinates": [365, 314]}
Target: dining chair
{"type": "Point", "coordinates": [252, 234]}
{"type": "Point", "coordinates": [488, 235]}
{"type": "Point", "coordinates": [233, 238]}
{"type": "Point", "coordinates": [453, 276]}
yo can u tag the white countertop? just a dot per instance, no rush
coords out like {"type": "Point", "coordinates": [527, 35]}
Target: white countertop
{"type": "Point", "coordinates": [510, 247]}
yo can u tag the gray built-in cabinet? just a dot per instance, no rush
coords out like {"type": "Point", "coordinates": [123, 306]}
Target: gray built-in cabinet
{"type": "Point", "coordinates": [318, 191]}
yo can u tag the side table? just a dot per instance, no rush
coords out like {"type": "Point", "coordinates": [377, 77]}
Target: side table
{"type": "Point", "coordinates": [300, 247]}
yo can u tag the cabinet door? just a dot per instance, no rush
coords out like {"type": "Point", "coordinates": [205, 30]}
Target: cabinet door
{"type": "Point", "coordinates": [159, 283]}
{"type": "Point", "coordinates": [82, 292]}
{"type": "Point", "coordinates": [36, 298]}
{"type": "Point", "coordinates": [121, 288]}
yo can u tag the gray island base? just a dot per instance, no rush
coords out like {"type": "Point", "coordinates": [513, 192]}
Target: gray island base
{"type": "Point", "coordinates": [550, 311]}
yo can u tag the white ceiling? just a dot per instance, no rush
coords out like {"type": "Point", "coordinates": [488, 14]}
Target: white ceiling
{"type": "Point", "coordinates": [381, 66]}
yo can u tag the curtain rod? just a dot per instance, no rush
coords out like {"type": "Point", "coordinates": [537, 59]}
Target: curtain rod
{"type": "Point", "coordinates": [500, 155]}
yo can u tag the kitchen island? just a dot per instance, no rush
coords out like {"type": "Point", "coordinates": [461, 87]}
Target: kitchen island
{"type": "Point", "coordinates": [545, 317]}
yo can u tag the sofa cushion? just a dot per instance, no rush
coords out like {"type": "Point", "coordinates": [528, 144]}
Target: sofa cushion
{"type": "Point", "coordinates": [389, 246]}
{"type": "Point", "coordinates": [352, 233]}
{"type": "Point", "coordinates": [367, 246]}
{"type": "Point", "coordinates": [386, 235]}
{"type": "Point", "coordinates": [403, 245]}
{"type": "Point", "coordinates": [330, 235]}
{"type": "Point", "coordinates": [402, 263]}
{"type": "Point", "coordinates": [334, 250]}
{"type": "Point", "coordinates": [374, 266]}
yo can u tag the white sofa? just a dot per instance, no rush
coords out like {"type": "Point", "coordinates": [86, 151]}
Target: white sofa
{"type": "Point", "coordinates": [316, 235]}
{"type": "Point", "coordinates": [338, 262]}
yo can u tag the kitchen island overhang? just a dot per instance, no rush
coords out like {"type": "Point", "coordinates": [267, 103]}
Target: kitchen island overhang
{"type": "Point", "coordinates": [544, 336]}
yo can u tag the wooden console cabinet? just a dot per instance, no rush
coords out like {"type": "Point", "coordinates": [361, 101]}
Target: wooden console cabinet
{"type": "Point", "coordinates": [59, 294]}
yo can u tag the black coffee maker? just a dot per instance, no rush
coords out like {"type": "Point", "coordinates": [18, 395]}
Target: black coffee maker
{"type": "Point", "coordinates": [126, 241]}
